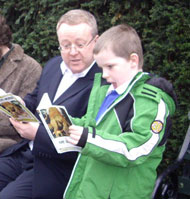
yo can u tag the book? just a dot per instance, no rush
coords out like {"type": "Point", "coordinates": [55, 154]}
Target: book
{"type": "Point", "coordinates": [56, 120]}
{"type": "Point", "coordinates": [12, 107]}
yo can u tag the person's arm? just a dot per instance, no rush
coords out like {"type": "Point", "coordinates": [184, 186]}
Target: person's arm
{"type": "Point", "coordinates": [31, 99]}
{"type": "Point", "coordinates": [122, 148]}
{"type": "Point", "coordinates": [26, 130]}
{"type": "Point", "coordinates": [31, 72]}
{"type": "Point", "coordinates": [43, 144]}
{"type": "Point", "coordinates": [8, 135]}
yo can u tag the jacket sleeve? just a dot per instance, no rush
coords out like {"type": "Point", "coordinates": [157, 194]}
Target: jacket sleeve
{"type": "Point", "coordinates": [31, 99]}
{"type": "Point", "coordinates": [31, 74]}
{"type": "Point", "coordinates": [43, 144]}
{"type": "Point", "coordinates": [8, 134]}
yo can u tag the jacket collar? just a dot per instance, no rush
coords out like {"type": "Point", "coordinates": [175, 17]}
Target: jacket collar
{"type": "Point", "coordinates": [125, 93]}
{"type": "Point", "coordinates": [11, 62]}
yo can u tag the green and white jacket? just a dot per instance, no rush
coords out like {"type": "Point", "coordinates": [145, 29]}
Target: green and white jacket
{"type": "Point", "coordinates": [122, 151]}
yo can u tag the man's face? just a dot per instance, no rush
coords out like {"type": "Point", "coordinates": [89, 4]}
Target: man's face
{"type": "Point", "coordinates": [116, 70]}
{"type": "Point", "coordinates": [77, 45]}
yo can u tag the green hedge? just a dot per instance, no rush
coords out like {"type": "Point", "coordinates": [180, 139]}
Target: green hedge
{"type": "Point", "coordinates": [162, 25]}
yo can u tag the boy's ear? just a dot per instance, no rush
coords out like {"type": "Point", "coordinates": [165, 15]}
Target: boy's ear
{"type": "Point", "coordinates": [134, 58]}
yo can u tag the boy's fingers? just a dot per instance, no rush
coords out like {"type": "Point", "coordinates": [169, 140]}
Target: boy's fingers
{"type": "Point", "coordinates": [75, 136]}
{"type": "Point", "coordinates": [71, 141]}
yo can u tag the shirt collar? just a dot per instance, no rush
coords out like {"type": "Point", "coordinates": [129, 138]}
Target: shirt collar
{"type": "Point", "coordinates": [66, 69]}
{"type": "Point", "coordinates": [121, 89]}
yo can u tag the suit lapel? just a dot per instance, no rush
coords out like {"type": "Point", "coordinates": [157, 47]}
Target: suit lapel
{"type": "Point", "coordinates": [54, 83]}
{"type": "Point", "coordinates": [79, 85]}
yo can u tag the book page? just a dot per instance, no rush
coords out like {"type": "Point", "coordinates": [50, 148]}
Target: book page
{"type": "Point", "coordinates": [2, 92]}
{"type": "Point", "coordinates": [11, 107]}
{"type": "Point", "coordinates": [45, 102]}
{"type": "Point", "coordinates": [56, 121]}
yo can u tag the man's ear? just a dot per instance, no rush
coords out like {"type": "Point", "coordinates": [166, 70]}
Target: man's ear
{"type": "Point", "coordinates": [134, 58]}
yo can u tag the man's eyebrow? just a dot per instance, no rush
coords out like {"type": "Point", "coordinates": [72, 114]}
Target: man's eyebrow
{"type": "Point", "coordinates": [78, 39]}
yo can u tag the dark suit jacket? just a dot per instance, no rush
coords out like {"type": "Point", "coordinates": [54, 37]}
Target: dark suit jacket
{"type": "Point", "coordinates": [52, 170]}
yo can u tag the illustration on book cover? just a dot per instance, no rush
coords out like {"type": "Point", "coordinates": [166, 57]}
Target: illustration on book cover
{"type": "Point", "coordinates": [57, 121]}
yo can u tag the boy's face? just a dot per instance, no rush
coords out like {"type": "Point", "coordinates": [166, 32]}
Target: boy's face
{"type": "Point", "coordinates": [116, 70]}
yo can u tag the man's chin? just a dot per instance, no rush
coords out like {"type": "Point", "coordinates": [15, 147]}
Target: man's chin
{"type": "Point", "coordinates": [76, 68]}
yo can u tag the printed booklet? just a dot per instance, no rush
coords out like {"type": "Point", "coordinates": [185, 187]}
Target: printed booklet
{"type": "Point", "coordinates": [56, 121]}
{"type": "Point", "coordinates": [12, 107]}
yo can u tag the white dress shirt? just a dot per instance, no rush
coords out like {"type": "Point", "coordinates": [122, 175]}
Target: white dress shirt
{"type": "Point", "coordinates": [69, 78]}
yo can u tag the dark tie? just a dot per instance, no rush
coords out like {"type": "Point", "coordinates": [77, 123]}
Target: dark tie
{"type": "Point", "coordinates": [109, 99]}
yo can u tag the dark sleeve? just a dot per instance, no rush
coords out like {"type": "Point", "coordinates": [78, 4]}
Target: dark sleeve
{"type": "Point", "coordinates": [164, 85]}
{"type": "Point", "coordinates": [43, 143]}
{"type": "Point", "coordinates": [31, 99]}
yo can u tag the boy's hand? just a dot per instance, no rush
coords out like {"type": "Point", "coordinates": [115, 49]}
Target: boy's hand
{"type": "Point", "coordinates": [26, 130]}
{"type": "Point", "coordinates": [75, 134]}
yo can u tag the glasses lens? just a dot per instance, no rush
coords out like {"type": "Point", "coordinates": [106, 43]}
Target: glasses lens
{"type": "Point", "coordinates": [78, 47]}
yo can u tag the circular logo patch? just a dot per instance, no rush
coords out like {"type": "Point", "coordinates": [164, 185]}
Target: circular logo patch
{"type": "Point", "coordinates": [157, 126]}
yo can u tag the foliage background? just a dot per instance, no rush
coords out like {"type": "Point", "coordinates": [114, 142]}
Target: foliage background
{"type": "Point", "coordinates": [164, 27]}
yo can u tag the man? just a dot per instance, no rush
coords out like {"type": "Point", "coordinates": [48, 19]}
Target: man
{"type": "Point", "coordinates": [44, 173]}
{"type": "Point", "coordinates": [18, 75]}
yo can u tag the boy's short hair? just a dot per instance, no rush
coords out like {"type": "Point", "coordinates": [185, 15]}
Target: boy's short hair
{"type": "Point", "coordinates": [78, 16]}
{"type": "Point", "coordinates": [123, 40]}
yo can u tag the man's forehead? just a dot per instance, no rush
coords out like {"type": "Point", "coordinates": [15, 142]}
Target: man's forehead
{"type": "Point", "coordinates": [74, 32]}
{"type": "Point", "coordinates": [79, 27]}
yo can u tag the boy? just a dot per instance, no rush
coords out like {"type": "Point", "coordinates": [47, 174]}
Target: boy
{"type": "Point", "coordinates": [122, 144]}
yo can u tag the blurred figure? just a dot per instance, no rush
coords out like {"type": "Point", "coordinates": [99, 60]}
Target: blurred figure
{"type": "Point", "coordinates": [18, 75]}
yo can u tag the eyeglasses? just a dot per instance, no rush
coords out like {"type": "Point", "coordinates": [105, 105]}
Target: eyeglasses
{"type": "Point", "coordinates": [78, 46]}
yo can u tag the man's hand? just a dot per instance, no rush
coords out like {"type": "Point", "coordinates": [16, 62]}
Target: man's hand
{"type": "Point", "coordinates": [26, 130]}
{"type": "Point", "coordinates": [75, 134]}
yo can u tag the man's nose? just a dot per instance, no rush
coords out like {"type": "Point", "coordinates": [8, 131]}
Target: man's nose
{"type": "Point", "coordinates": [73, 50]}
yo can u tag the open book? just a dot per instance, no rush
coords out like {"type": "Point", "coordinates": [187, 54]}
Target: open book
{"type": "Point", "coordinates": [56, 121]}
{"type": "Point", "coordinates": [12, 107]}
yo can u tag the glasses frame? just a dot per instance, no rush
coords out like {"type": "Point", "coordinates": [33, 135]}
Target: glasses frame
{"type": "Point", "coordinates": [76, 48]}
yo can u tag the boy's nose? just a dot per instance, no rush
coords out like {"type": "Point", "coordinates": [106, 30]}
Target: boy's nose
{"type": "Point", "coordinates": [105, 74]}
